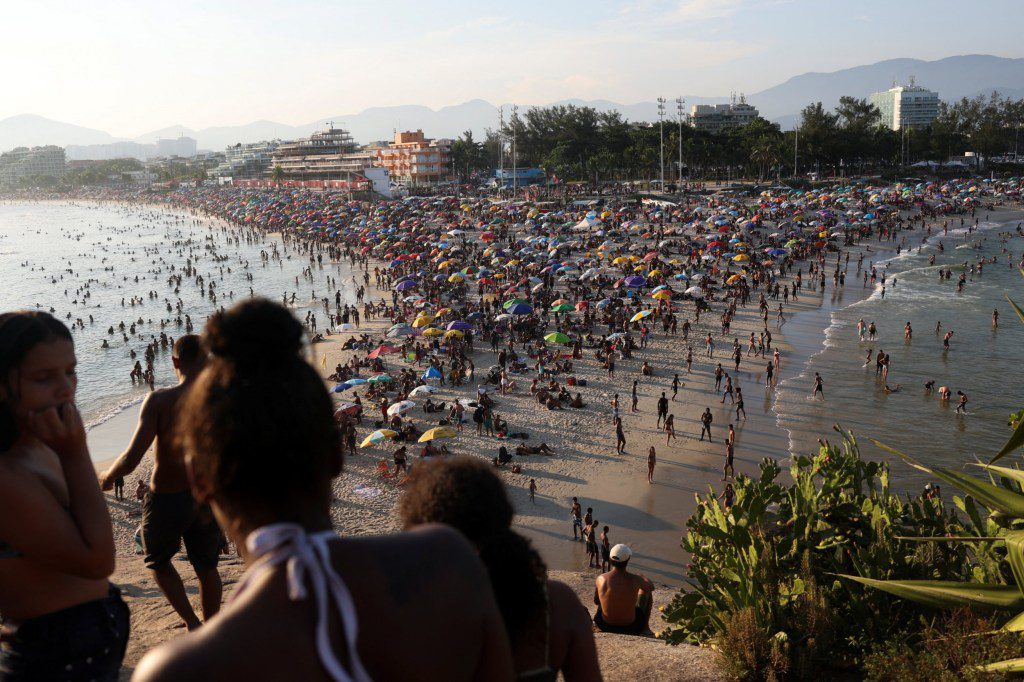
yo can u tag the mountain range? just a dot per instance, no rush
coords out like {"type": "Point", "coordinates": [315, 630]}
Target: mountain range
{"type": "Point", "coordinates": [952, 78]}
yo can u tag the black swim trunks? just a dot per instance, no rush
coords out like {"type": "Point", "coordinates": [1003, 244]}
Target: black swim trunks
{"type": "Point", "coordinates": [169, 518]}
{"type": "Point", "coordinates": [637, 627]}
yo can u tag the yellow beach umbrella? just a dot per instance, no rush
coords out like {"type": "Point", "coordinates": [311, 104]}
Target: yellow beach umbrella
{"type": "Point", "coordinates": [437, 432]}
{"type": "Point", "coordinates": [741, 257]}
{"type": "Point", "coordinates": [432, 331]}
{"type": "Point", "coordinates": [453, 333]}
{"type": "Point", "coordinates": [663, 295]}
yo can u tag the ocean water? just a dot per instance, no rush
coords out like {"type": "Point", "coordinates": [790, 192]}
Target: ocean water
{"type": "Point", "coordinates": [83, 259]}
{"type": "Point", "coordinates": [983, 362]}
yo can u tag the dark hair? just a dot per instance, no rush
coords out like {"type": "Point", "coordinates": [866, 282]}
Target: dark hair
{"type": "Point", "coordinates": [20, 332]}
{"type": "Point", "coordinates": [189, 348]}
{"type": "Point", "coordinates": [466, 494]}
{"type": "Point", "coordinates": [258, 423]}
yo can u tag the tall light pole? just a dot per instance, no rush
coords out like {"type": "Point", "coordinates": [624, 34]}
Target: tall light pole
{"type": "Point", "coordinates": [661, 128]}
{"type": "Point", "coordinates": [679, 110]}
{"type": "Point", "coordinates": [515, 179]}
{"type": "Point", "coordinates": [501, 148]}
{"type": "Point", "coordinates": [796, 146]}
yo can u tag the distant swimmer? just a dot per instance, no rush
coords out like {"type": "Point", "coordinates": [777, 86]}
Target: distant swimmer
{"type": "Point", "coordinates": [995, 318]}
{"type": "Point", "coordinates": [889, 389]}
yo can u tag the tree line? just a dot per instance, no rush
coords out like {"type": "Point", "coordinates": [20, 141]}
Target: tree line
{"type": "Point", "coordinates": [582, 143]}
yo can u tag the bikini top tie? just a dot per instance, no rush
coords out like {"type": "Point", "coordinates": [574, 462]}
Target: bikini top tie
{"type": "Point", "coordinates": [308, 560]}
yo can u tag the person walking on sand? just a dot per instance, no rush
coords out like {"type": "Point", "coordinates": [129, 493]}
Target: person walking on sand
{"type": "Point", "coordinates": [670, 429]}
{"type": "Point", "coordinates": [606, 548]}
{"type": "Point", "coordinates": [170, 513]}
{"type": "Point", "coordinates": [728, 471]}
{"type": "Point", "coordinates": [635, 399]}
{"type": "Point", "coordinates": [533, 491]}
{"type": "Point", "coordinates": [739, 404]}
{"type": "Point", "coordinates": [620, 437]}
{"type": "Point", "coordinates": [662, 409]}
{"type": "Point", "coordinates": [651, 461]}
{"type": "Point", "coordinates": [576, 514]}
{"type": "Point", "coordinates": [675, 387]}
{"type": "Point", "coordinates": [705, 421]}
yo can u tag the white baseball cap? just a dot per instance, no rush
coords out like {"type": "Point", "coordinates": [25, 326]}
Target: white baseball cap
{"type": "Point", "coordinates": [620, 553]}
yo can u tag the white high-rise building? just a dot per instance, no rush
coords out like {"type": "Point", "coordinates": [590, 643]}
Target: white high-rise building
{"type": "Point", "coordinates": [185, 147]}
{"type": "Point", "coordinates": [907, 106]}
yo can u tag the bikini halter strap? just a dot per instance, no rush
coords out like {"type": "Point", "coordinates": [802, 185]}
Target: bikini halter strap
{"type": "Point", "coordinates": [308, 560]}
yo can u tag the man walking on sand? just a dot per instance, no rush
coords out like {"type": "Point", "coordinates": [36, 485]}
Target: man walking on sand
{"type": "Point", "coordinates": [169, 512]}
{"type": "Point", "coordinates": [623, 599]}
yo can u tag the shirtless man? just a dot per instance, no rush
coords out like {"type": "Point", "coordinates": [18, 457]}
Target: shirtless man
{"type": "Point", "coordinates": [169, 513]}
{"type": "Point", "coordinates": [623, 599]}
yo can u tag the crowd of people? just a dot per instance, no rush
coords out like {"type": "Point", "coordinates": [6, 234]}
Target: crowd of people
{"type": "Point", "coordinates": [545, 289]}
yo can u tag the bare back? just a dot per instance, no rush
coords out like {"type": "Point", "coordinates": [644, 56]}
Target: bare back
{"type": "Point", "coordinates": [617, 592]}
{"type": "Point", "coordinates": [169, 475]}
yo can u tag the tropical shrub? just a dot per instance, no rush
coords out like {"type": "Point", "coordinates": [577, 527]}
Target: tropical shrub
{"type": "Point", "coordinates": [773, 559]}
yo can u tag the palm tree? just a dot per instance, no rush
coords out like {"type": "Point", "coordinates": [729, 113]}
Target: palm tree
{"type": "Point", "coordinates": [764, 153]}
{"type": "Point", "coordinates": [277, 175]}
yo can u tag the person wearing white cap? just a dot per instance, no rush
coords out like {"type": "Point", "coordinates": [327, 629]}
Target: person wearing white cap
{"type": "Point", "coordinates": [623, 599]}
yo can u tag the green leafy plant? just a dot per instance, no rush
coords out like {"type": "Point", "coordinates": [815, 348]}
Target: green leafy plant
{"type": "Point", "coordinates": [773, 557]}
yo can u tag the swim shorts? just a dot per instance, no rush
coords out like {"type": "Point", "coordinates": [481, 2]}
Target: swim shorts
{"type": "Point", "coordinates": [637, 627]}
{"type": "Point", "coordinates": [169, 518]}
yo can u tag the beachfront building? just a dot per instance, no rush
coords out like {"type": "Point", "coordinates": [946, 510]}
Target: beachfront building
{"type": "Point", "coordinates": [414, 159]}
{"type": "Point", "coordinates": [715, 118]}
{"type": "Point", "coordinates": [247, 161]}
{"type": "Point", "coordinates": [907, 106]}
{"type": "Point", "coordinates": [330, 154]}
{"type": "Point", "coordinates": [35, 162]}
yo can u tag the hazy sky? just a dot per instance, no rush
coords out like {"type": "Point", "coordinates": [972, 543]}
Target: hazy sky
{"type": "Point", "coordinates": [131, 67]}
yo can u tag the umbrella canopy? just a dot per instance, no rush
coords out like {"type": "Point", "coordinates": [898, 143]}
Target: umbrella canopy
{"type": "Point", "coordinates": [378, 436]}
{"type": "Point", "coordinates": [381, 350]}
{"type": "Point", "coordinates": [641, 315]}
{"type": "Point", "coordinates": [520, 309]}
{"type": "Point", "coordinates": [437, 432]}
{"type": "Point", "coordinates": [422, 390]}
{"type": "Point", "coordinates": [558, 337]}
{"type": "Point", "coordinates": [379, 378]}
{"type": "Point", "coordinates": [401, 407]}
{"type": "Point", "coordinates": [432, 373]}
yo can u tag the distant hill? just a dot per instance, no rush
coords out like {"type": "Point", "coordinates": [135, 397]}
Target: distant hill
{"type": "Point", "coordinates": [952, 77]}
{"type": "Point", "coordinates": [29, 130]}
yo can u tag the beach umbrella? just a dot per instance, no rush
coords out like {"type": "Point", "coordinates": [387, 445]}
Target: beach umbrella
{"type": "Point", "coordinates": [519, 309]}
{"type": "Point", "coordinates": [422, 390]}
{"type": "Point", "coordinates": [432, 332]}
{"type": "Point", "coordinates": [515, 301]}
{"type": "Point", "coordinates": [355, 382]}
{"type": "Point", "coordinates": [401, 330]}
{"type": "Point", "coordinates": [401, 407]}
{"type": "Point", "coordinates": [379, 378]}
{"type": "Point", "coordinates": [558, 337]}
{"type": "Point", "coordinates": [641, 315]}
{"type": "Point", "coordinates": [663, 295]}
{"type": "Point", "coordinates": [381, 350]}
{"type": "Point", "coordinates": [340, 388]}
{"type": "Point", "coordinates": [741, 258]}
{"type": "Point", "coordinates": [407, 284]}
{"type": "Point", "coordinates": [432, 373]}
{"type": "Point", "coordinates": [378, 436]}
{"type": "Point", "coordinates": [635, 281]}
{"type": "Point", "coordinates": [345, 327]}
{"type": "Point", "coordinates": [454, 333]}
{"type": "Point", "coordinates": [422, 321]}
{"type": "Point", "coordinates": [460, 325]}
{"type": "Point", "coordinates": [348, 408]}
{"type": "Point", "coordinates": [437, 432]}
{"type": "Point", "coordinates": [563, 308]}
{"type": "Point", "coordinates": [693, 291]}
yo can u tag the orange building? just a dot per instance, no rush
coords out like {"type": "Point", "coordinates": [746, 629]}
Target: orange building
{"type": "Point", "coordinates": [415, 160]}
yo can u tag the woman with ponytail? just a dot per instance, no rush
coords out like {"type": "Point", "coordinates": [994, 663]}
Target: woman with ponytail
{"type": "Point", "coordinates": [262, 446]}
{"type": "Point", "coordinates": [549, 629]}
{"type": "Point", "coordinates": [61, 618]}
